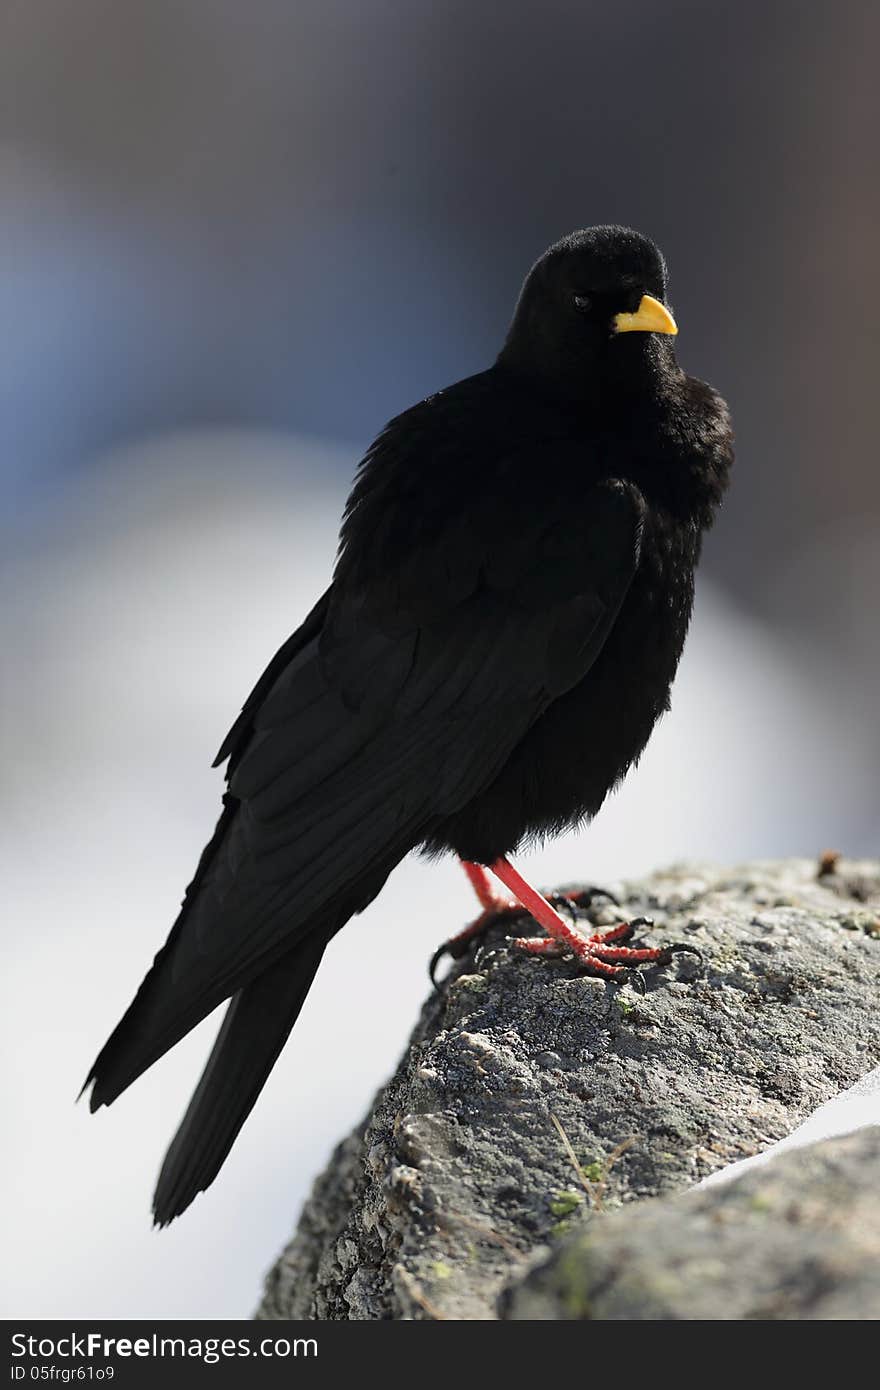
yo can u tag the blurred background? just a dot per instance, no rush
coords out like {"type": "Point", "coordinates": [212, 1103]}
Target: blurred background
{"type": "Point", "coordinates": [234, 241]}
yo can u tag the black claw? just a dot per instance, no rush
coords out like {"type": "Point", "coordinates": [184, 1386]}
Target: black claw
{"type": "Point", "coordinates": [641, 922]}
{"type": "Point", "coordinates": [584, 897]}
{"type": "Point", "coordinates": [435, 960]}
{"type": "Point", "coordinates": [457, 949]}
{"type": "Point", "coordinates": [637, 981]}
{"type": "Point", "coordinates": [682, 948]}
{"type": "Point", "coordinates": [678, 948]}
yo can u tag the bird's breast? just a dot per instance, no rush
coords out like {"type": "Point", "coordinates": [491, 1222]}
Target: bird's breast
{"type": "Point", "coordinates": [605, 721]}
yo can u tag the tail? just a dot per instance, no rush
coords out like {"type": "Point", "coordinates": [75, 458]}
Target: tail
{"type": "Point", "coordinates": [257, 1024]}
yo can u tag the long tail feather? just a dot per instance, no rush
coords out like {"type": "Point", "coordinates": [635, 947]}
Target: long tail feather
{"type": "Point", "coordinates": [255, 1029]}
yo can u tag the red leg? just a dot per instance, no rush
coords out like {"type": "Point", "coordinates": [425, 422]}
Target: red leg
{"type": "Point", "coordinates": [492, 903]}
{"type": "Point", "coordinates": [494, 907]}
{"type": "Point", "coordinates": [479, 879]}
{"type": "Point", "coordinates": [537, 905]}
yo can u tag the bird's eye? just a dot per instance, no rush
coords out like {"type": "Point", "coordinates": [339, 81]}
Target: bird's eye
{"type": "Point", "coordinates": [583, 303]}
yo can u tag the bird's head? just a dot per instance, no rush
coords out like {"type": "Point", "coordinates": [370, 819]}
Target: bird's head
{"type": "Point", "coordinates": [592, 311]}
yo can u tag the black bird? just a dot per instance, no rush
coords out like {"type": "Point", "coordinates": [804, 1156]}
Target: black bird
{"type": "Point", "coordinates": [509, 605]}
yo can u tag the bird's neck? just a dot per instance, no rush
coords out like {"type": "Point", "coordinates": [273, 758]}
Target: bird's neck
{"type": "Point", "coordinates": [618, 377]}
{"type": "Point", "coordinates": [665, 430]}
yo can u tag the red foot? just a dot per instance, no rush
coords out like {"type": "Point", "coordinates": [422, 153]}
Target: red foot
{"type": "Point", "coordinates": [621, 933]}
{"type": "Point", "coordinates": [596, 953]}
{"type": "Point", "coordinates": [610, 962]}
{"type": "Point", "coordinates": [600, 954]}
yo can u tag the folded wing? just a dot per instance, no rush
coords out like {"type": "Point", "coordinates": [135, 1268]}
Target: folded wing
{"type": "Point", "coordinates": [398, 701]}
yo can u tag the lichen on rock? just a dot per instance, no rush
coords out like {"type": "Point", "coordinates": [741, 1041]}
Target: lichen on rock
{"type": "Point", "coordinates": [798, 1238]}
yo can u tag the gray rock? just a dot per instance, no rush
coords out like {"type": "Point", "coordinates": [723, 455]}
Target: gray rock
{"type": "Point", "coordinates": [797, 1238]}
{"type": "Point", "coordinates": [532, 1098]}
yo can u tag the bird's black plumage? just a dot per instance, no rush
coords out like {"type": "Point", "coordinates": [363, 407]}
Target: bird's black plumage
{"type": "Point", "coordinates": [512, 594]}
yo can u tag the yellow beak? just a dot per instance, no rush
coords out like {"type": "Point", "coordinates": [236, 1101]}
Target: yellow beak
{"type": "Point", "coordinates": [650, 317]}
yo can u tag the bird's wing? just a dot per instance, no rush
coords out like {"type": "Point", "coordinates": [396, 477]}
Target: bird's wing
{"type": "Point", "coordinates": [241, 730]}
{"type": "Point", "coordinates": [411, 699]}
{"type": "Point", "coordinates": [402, 703]}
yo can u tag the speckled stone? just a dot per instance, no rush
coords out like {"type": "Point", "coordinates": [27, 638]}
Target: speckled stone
{"type": "Point", "coordinates": [460, 1172]}
{"type": "Point", "coordinates": [798, 1238]}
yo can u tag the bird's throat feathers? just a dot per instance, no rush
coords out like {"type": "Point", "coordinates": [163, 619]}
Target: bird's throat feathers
{"type": "Point", "coordinates": [603, 376]}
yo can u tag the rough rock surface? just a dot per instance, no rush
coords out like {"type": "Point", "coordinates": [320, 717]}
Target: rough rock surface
{"type": "Point", "coordinates": [798, 1238]}
{"type": "Point", "coordinates": [531, 1098]}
